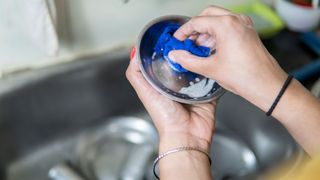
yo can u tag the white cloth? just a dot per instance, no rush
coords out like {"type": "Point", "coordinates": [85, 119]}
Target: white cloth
{"type": "Point", "coordinates": [38, 19]}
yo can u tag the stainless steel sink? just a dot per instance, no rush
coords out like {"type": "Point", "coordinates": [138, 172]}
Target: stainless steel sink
{"type": "Point", "coordinates": [54, 115]}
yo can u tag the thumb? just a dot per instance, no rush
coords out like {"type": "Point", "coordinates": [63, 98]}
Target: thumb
{"type": "Point", "coordinates": [190, 62]}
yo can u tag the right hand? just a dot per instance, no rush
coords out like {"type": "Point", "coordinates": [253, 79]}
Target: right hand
{"type": "Point", "coordinates": [241, 64]}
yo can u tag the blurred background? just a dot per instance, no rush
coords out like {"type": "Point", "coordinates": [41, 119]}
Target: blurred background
{"type": "Point", "coordinates": [55, 30]}
{"type": "Point", "coordinates": [39, 33]}
{"type": "Point", "coordinates": [62, 84]}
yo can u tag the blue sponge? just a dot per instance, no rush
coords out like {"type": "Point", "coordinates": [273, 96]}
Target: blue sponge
{"type": "Point", "coordinates": [167, 43]}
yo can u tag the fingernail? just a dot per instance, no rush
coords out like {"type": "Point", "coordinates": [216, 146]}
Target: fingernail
{"type": "Point", "coordinates": [132, 53]}
{"type": "Point", "coordinates": [171, 56]}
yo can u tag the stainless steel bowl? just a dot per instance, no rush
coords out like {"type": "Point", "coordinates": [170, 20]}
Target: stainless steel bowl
{"type": "Point", "coordinates": [187, 87]}
{"type": "Point", "coordinates": [316, 89]}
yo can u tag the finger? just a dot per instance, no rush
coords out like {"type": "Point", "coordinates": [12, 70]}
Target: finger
{"type": "Point", "coordinates": [209, 106]}
{"type": "Point", "coordinates": [214, 103]}
{"type": "Point", "coordinates": [151, 99]}
{"type": "Point", "coordinates": [206, 40]}
{"type": "Point", "coordinates": [215, 11]}
{"type": "Point", "coordinates": [136, 79]}
{"type": "Point", "coordinates": [246, 20]}
{"type": "Point", "coordinates": [193, 37]}
{"type": "Point", "coordinates": [199, 24]}
{"type": "Point", "coordinates": [189, 61]}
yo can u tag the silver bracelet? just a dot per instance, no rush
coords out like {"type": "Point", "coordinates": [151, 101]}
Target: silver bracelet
{"type": "Point", "coordinates": [175, 150]}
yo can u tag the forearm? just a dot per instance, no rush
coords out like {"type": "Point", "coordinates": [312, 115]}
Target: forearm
{"type": "Point", "coordinates": [298, 110]}
{"type": "Point", "coordinates": [184, 164]}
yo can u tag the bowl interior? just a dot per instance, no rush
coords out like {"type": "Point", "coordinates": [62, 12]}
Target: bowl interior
{"type": "Point", "coordinates": [165, 80]}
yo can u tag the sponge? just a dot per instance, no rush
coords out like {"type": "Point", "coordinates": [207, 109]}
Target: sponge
{"type": "Point", "coordinates": [167, 42]}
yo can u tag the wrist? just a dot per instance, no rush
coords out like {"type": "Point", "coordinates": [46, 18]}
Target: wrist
{"type": "Point", "coordinates": [174, 140]}
{"type": "Point", "coordinates": [191, 164]}
{"type": "Point", "coordinates": [295, 104]}
{"type": "Point", "coordinates": [263, 93]}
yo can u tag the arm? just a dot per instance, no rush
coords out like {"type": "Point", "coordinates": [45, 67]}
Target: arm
{"type": "Point", "coordinates": [243, 66]}
{"type": "Point", "coordinates": [299, 112]}
{"type": "Point", "coordinates": [185, 164]}
{"type": "Point", "coordinates": [178, 126]}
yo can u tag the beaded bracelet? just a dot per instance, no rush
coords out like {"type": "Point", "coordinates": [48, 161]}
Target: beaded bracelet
{"type": "Point", "coordinates": [175, 150]}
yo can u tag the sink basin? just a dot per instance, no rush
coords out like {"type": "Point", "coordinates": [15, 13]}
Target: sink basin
{"type": "Point", "coordinates": [46, 115]}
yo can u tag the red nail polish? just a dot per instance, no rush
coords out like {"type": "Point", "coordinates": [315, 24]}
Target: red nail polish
{"type": "Point", "coordinates": [133, 52]}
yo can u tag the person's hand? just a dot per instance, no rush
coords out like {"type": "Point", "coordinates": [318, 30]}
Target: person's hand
{"type": "Point", "coordinates": [177, 124]}
{"type": "Point", "coordinates": [240, 64]}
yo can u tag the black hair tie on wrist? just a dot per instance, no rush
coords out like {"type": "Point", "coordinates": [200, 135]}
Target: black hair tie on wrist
{"type": "Point", "coordinates": [283, 89]}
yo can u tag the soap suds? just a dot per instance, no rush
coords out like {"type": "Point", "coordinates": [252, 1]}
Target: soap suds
{"type": "Point", "coordinates": [153, 55]}
{"type": "Point", "coordinates": [200, 89]}
{"type": "Point", "coordinates": [196, 89]}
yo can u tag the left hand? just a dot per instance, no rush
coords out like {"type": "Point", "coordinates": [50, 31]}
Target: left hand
{"type": "Point", "coordinates": [177, 124]}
